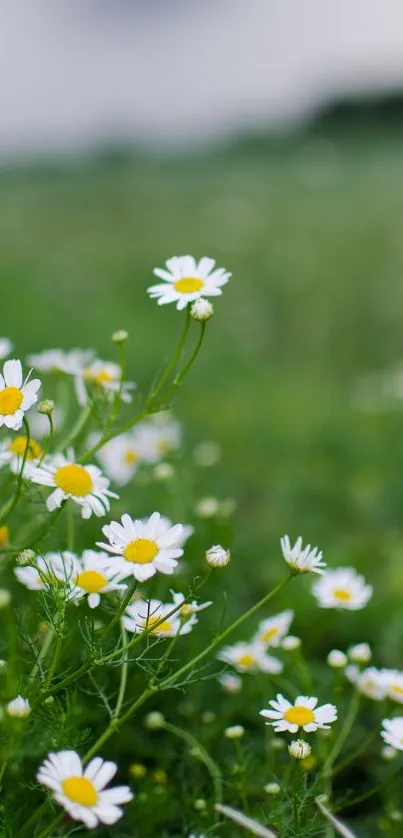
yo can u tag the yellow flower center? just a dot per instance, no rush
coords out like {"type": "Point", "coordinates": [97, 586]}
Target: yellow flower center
{"type": "Point", "coordinates": [74, 480]}
{"type": "Point", "coordinates": [165, 626]}
{"type": "Point", "coordinates": [91, 581]}
{"type": "Point", "coordinates": [246, 660]}
{"type": "Point", "coordinates": [130, 457]}
{"type": "Point", "coordinates": [397, 689]}
{"type": "Point", "coordinates": [80, 790]}
{"type": "Point", "coordinates": [299, 716]}
{"type": "Point", "coordinates": [4, 534]}
{"type": "Point", "coordinates": [342, 594]}
{"type": "Point", "coordinates": [140, 551]}
{"type": "Point", "coordinates": [101, 377]}
{"type": "Point", "coordinates": [269, 634]}
{"type": "Point", "coordinates": [188, 284]}
{"type": "Point", "coordinates": [10, 400]}
{"type": "Point", "coordinates": [19, 445]}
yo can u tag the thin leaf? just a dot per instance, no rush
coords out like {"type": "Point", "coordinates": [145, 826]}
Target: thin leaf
{"type": "Point", "coordinates": [343, 830]}
{"type": "Point", "coordinates": [253, 826]}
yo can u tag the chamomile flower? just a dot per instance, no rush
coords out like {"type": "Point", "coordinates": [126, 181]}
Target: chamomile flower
{"type": "Point", "coordinates": [5, 347]}
{"type": "Point", "coordinates": [299, 559]}
{"type": "Point", "coordinates": [103, 376]}
{"type": "Point", "coordinates": [81, 790]}
{"type": "Point", "coordinates": [49, 570]}
{"type": "Point", "coordinates": [393, 680]}
{"type": "Point", "coordinates": [16, 395]}
{"type": "Point", "coordinates": [146, 444]}
{"type": "Point", "coordinates": [58, 360]}
{"type": "Point", "coordinates": [12, 453]}
{"type": "Point", "coordinates": [370, 682]}
{"type": "Point", "coordinates": [145, 547]}
{"type": "Point", "coordinates": [92, 575]}
{"type": "Point", "coordinates": [392, 732]}
{"type": "Point", "coordinates": [185, 280]}
{"type": "Point", "coordinates": [304, 714]}
{"type": "Point", "coordinates": [188, 609]}
{"type": "Point", "coordinates": [249, 657]}
{"type": "Point", "coordinates": [272, 631]}
{"type": "Point", "coordinates": [85, 485]}
{"type": "Point", "coordinates": [143, 615]}
{"type": "Point", "coordinates": [342, 588]}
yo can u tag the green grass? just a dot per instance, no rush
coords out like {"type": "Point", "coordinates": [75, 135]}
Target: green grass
{"type": "Point", "coordinates": [313, 236]}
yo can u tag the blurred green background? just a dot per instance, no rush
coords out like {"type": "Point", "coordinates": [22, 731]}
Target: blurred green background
{"type": "Point", "coordinates": [311, 229]}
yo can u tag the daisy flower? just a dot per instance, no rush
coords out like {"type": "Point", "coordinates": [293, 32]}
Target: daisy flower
{"type": "Point", "coordinates": [5, 347]}
{"type": "Point", "coordinates": [85, 485]}
{"type": "Point", "coordinates": [189, 608]}
{"type": "Point", "coordinates": [12, 453]}
{"type": "Point", "coordinates": [146, 444]}
{"type": "Point", "coordinates": [142, 615]}
{"type": "Point", "coordinates": [91, 576]}
{"type": "Point", "coordinates": [81, 790]}
{"type": "Point", "coordinates": [145, 547]}
{"type": "Point", "coordinates": [370, 682]}
{"type": "Point", "coordinates": [105, 376]}
{"type": "Point", "coordinates": [272, 631]}
{"type": "Point", "coordinates": [185, 280]}
{"type": "Point", "coordinates": [58, 360]}
{"type": "Point", "coordinates": [302, 560]}
{"type": "Point", "coordinates": [16, 395]}
{"type": "Point", "coordinates": [250, 657]}
{"type": "Point", "coordinates": [49, 570]}
{"type": "Point", "coordinates": [392, 732]}
{"type": "Point", "coordinates": [303, 713]}
{"type": "Point", "coordinates": [393, 680]}
{"type": "Point", "coordinates": [342, 588]}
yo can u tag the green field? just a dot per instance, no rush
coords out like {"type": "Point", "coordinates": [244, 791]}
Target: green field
{"type": "Point", "coordinates": [312, 233]}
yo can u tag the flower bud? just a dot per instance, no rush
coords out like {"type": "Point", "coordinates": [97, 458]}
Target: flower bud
{"type": "Point", "coordinates": [19, 707]}
{"type": "Point", "coordinates": [388, 752]}
{"type": "Point", "coordinates": [4, 535]}
{"type": "Point", "coordinates": [46, 407]}
{"type": "Point", "coordinates": [217, 556]}
{"type": "Point", "coordinates": [120, 336]}
{"type": "Point", "coordinates": [201, 310]}
{"type": "Point", "coordinates": [272, 788]}
{"type": "Point", "coordinates": [230, 683]}
{"type": "Point", "coordinates": [200, 804]}
{"type": "Point", "coordinates": [137, 770]}
{"type": "Point", "coordinates": [25, 558]}
{"type": "Point", "coordinates": [5, 597]}
{"type": "Point", "coordinates": [234, 732]}
{"type": "Point", "coordinates": [164, 471]}
{"type": "Point", "coordinates": [154, 721]}
{"type": "Point", "coordinates": [207, 507]}
{"type": "Point", "coordinates": [337, 659]}
{"type": "Point", "coordinates": [360, 653]}
{"type": "Point", "coordinates": [290, 643]}
{"type": "Point", "coordinates": [299, 749]}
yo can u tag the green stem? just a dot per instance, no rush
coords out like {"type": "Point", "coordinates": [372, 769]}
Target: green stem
{"type": "Point", "coordinates": [9, 506]}
{"type": "Point", "coordinates": [219, 639]}
{"type": "Point", "coordinates": [123, 675]}
{"type": "Point", "coordinates": [345, 730]}
{"type": "Point", "coordinates": [167, 682]}
{"type": "Point", "coordinates": [49, 439]}
{"type": "Point", "coordinates": [70, 526]}
{"type": "Point", "coordinates": [57, 652]}
{"type": "Point", "coordinates": [77, 428]}
{"type": "Point", "coordinates": [42, 654]}
{"type": "Point", "coordinates": [180, 376]}
{"type": "Point", "coordinates": [122, 608]}
{"type": "Point", "coordinates": [202, 755]}
{"type": "Point", "coordinates": [172, 364]}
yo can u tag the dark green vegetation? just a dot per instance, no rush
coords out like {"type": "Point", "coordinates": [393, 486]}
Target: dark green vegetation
{"type": "Point", "coordinates": [313, 235]}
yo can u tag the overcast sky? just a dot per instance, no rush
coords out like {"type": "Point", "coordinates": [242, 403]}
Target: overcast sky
{"type": "Point", "coordinates": [74, 73]}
